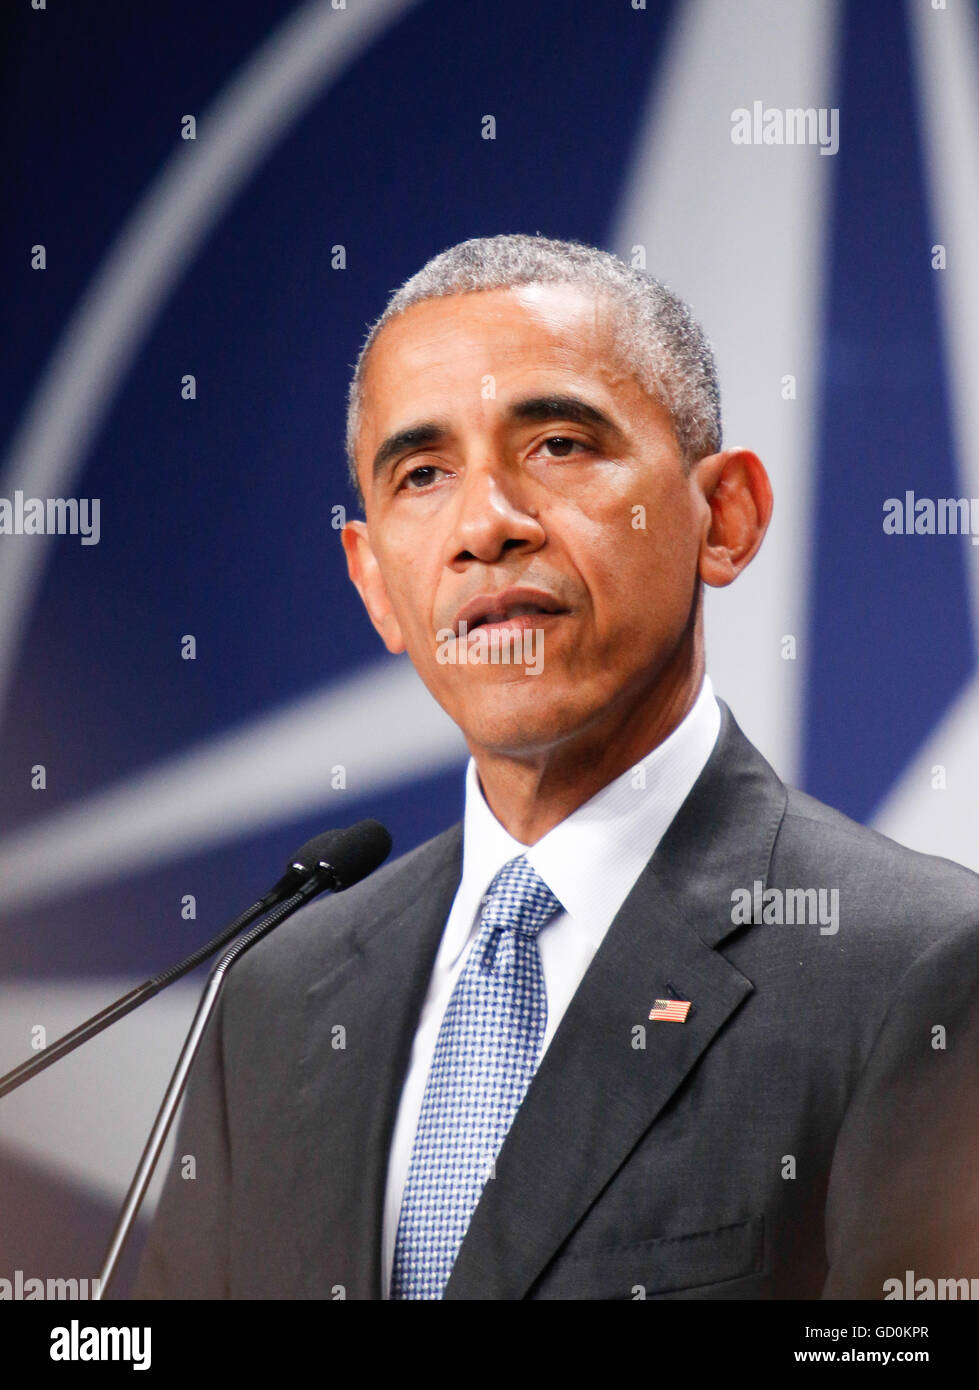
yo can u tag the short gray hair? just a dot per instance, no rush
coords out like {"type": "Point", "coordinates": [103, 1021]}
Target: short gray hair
{"type": "Point", "coordinates": [658, 337]}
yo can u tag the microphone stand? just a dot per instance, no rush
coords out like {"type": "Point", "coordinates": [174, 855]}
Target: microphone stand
{"type": "Point", "coordinates": [178, 1080]}
{"type": "Point", "coordinates": [125, 1004]}
{"type": "Point", "coordinates": [317, 850]}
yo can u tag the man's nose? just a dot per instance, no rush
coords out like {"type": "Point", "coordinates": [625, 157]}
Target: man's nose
{"type": "Point", "coordinates": [494, 515]}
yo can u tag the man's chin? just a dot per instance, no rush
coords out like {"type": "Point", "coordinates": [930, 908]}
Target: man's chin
{"type": "Point", "coordinates": [518, 719]}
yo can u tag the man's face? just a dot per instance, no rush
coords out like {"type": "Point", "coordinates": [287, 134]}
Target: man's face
{"type": "Point", "coordinates": [503, 447]}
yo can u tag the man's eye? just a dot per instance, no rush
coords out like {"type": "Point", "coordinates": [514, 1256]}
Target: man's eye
{"type": "Point", "coordinates": [422, 476]}
{"type": "Point", "coordinates": [561, 445]}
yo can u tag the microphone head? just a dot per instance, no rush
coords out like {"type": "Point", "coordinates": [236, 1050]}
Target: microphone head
{"type": "Point", "coordinates": [350, 855]}
{"type": "Point", "coordinates": [354, 853]}
{"type": "Point", "coordinates": [321, 847]}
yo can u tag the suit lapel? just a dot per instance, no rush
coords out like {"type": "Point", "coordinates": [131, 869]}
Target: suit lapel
{"type": "Point", "coordinates": [348, 1097]}
{"type": "Point", "coordinates": [595, 1094]}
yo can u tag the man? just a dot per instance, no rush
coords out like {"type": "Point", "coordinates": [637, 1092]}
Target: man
{"type": "Point", "coordinates": [649, 1024]}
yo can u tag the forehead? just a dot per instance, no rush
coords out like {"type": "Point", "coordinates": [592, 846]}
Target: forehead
{"type": "Point", "coordinates": [441, 347]}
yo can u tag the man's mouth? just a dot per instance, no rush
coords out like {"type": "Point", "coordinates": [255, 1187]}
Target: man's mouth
{"type": "Point", "coordinates": [514, 608]}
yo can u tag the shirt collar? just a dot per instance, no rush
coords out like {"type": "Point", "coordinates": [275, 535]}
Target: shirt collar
{"type": "Point", "coordinates": [591, 860]}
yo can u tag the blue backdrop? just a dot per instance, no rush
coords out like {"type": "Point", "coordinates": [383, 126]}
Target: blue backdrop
{"type": "Point", "coordinates": [216, 256]}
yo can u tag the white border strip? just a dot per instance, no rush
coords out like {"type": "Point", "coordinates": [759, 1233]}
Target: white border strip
{"type": "Point", "coordinates": [740, 232]}
{"type": "Point", "coordinates": [381, 726]}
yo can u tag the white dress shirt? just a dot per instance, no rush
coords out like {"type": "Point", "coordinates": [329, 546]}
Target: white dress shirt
{"type": "Point", "coordinates": [590, 862]}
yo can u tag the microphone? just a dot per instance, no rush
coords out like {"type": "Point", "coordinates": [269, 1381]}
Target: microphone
{"type": "Point", "coordinates": [334, 860]}
{"type": "Point", "coordinates": [349, 856]}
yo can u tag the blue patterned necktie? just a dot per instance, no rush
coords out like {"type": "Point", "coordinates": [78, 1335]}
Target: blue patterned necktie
{"type": "Point", "coordinates": [486, 1054]}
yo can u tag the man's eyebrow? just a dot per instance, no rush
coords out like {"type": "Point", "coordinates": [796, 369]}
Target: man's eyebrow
{"type": "Point", "coordinates": [540, 409]}
{"type": "Point", "coordinates": [414, 437]}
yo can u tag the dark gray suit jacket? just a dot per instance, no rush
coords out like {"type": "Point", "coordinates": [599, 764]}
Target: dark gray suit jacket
{"type": "Point", "coordinates": [803, 1133]}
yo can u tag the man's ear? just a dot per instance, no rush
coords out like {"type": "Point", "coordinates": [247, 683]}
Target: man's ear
{"type": "Point", "coordinates": [365, 575]}
{"type": "Point", "coordinates": [739, 497]}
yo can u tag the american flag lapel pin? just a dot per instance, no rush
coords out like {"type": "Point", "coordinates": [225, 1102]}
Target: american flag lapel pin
{"type": "Point", "coordinates": [670, 1010]}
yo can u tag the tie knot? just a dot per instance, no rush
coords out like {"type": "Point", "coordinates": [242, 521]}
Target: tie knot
{"type": "Point", "coordinates": [519, 900]}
